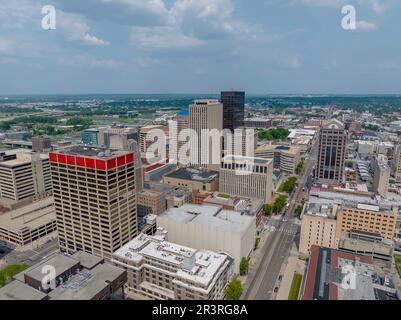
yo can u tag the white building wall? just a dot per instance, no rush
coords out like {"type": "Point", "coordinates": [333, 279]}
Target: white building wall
{"type": "Point", "coordinates": [202, 236]}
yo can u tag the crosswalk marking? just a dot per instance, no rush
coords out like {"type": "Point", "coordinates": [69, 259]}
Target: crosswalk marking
{"type": "Point", "coordinates": [287, 231]}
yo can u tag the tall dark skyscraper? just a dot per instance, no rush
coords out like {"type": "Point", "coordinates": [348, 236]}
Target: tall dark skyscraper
{"type": "Point", "coordinates": [233, 109]}
{"type": "Point", "coordinates": [332, 151]}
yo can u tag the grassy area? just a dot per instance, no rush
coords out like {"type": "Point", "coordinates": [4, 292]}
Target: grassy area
{"type": "Point", "coordinates": [295, 287]}
{"type": "Point", "coordinates": [8, 272]}
{"type": "Point", "coordinates": [397, 259]}
{"type": "Point", "coordinates": [223, 196]}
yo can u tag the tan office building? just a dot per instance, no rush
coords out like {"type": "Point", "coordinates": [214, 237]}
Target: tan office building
{"type": "Point", "coordinates": [318, 227]}
{"type": "Point", "coordinates": [247, 177]}
{"type": "Point", "coordinates": [25, 175]}
{"type": "Point", "coordinates": [151, 202]}
{"type": "Point", "coordinates": [95, 199]}
{"type": "Point", "coordinates": [285, 157]}
{"type": "Point", "coordinates": [205, 115]}
{"type": "Point", "coordinates": [162, 270]}
{"type": "Point", "coordinates": [368, 218]}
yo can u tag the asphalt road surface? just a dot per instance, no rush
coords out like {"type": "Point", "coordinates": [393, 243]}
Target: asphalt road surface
{"type": "Point", "coordinates": [276, 250]}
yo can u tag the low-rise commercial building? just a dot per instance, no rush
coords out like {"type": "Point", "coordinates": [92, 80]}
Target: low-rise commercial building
{"type": "Point", "coordinates": [258, 123]}
{"type": "Point", "coordinates": [285, 158]}
{"type": "Point", "coordinates": [151, 202]}
{"type": "Point", "coordinates": [29, 223]}
{"type": "Point", "coordinates": [193, 179]}
{"type": "Point", "coordinates": [163, 270]}
{"type": "Point", "coordinates": [81, 276]}
{"type": "Point", "coordinates": [327, 277]}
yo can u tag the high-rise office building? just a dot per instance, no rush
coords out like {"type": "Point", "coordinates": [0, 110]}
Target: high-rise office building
{"type": "Point", "coordinates": [233, 109]}
{"type": "Point", "coordinates": [95, 199]}
{"type": "Point", "coordinates": [397, 163]}
{"type": "Point", "coordinates": [381, 175]}
{"type": "Point", "coordinates": [24, 175]}
{"type": "Point", "coordinates": [40, 144]}
{"type": "Point", "coordinates": [332, 151]}
{"type": "Point", "coordinates": [247, 177]}
{"type": "Point", "coordinates": [205, 115]}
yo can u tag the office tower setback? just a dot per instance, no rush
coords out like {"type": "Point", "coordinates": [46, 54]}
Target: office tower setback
{"type": "Point", "coordinates": [95, 199]}
{"type": "Point", "coordinates": [247, 177]}
{"type": "Point", "coordinates": [233, 109]}
{"type": "Point", "coordinates": [205, 115]}
{"type": "Point", "coordinates": [332, 152]}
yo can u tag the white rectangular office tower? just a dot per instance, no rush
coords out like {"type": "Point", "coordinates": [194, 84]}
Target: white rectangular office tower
{"type": "Point", "coordinates": [247, 177]}
{"type": "Point", "coordinates": [95, 198]}
{"type": "Point", "coordinates": [205, 115]}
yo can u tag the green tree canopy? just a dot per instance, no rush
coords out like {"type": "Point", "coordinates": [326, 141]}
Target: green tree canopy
{"type": "Point", "coordinates": [234, 290]}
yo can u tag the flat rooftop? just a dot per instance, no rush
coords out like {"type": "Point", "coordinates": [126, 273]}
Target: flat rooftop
{"type": "Point", "coordinates": [17, 290]}
{"type": "Point", "coordinates": [91, 151]}
{"type": "Point", "coordinates": [211, 215]}
{"type": "Point", "coordinates": [93, 277]}
{"type": "Point", "coordinates": [243, 159]}
{"type": "Point", "coordinates": [193, 174]}
{"type": "Point", "coordinates": [87, 284]}
{"type": "Point", "coordinates": [324, 277]}
{"type": "Point", "coordinates": [31, 216]}
{"type": "Point", "coordinates": [22, 158]}
{"type": "Point", "coordinates": [293, 150]}
{"type": "Point", "coordinates": [198, 266]}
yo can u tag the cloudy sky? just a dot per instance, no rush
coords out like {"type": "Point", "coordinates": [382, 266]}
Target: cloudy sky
{"type": "Point", "coordinates": [200, 46]}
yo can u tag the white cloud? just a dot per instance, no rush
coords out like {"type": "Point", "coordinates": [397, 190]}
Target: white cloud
{"type": "Point", "coordinates": [162, 38]}
{"type": "Point", "coordinates": [145, 62]}
{"type": "Point", "coordinates": [87, 60]}
{"type": "Point", "coordinates": [77, 29]}
{"type": "Point", "coordinates": [5, 45]}
{"type": "Point", "coordinates": [365, 26]}
{"type": "Point", "coordinates": [389, 65]}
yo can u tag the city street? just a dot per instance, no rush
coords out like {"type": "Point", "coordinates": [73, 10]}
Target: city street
{"type": "Point", "coordinates": [29, 256]}
{"type": "Point", "coordinates": [276, 250]}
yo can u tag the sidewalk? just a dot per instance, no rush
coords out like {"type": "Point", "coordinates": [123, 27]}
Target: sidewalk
{"type": "Point", "coordinates": [254, 262]}
{"type": "Point", "coordinates": [293, 265]}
